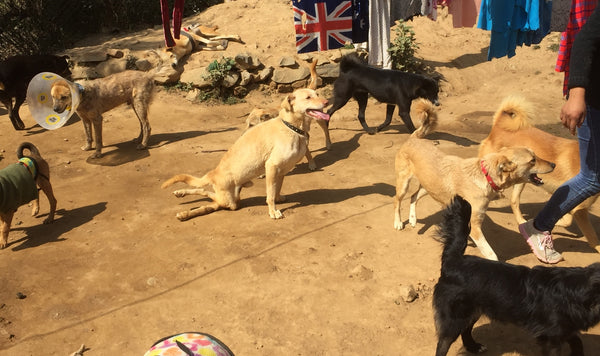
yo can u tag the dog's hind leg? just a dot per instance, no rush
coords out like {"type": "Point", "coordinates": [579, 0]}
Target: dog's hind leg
{"type": "Point", "coordinates": [362, 99]}
{"type": "Point", "coordinates": [575, 344]}
{"type": "Point", "coordinates": [412, 213]}
{"type": "Point", "coordinates": [582, 218]}
{"type": "Point", "coordinates": [47, 189]}
{"type": "Point", "coordinates": [180, 193]}
{"type": "Point", "coordinates": [5, 222]}
{"type": "Point", "coordinates": [469, 343]}
{"type": "Point", "coordinates": [389, 113]}
{"type": "Point", "coordinates": [551, 346]}
{"type": "Point", "coordinates": [7, 101]}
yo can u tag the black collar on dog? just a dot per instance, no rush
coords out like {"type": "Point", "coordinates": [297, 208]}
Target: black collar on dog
{"type": "Point", "coordinates": [295, 129]}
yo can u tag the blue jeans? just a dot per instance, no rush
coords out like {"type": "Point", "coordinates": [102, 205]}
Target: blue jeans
{"type": "Point", "coordinates": [585, 184]}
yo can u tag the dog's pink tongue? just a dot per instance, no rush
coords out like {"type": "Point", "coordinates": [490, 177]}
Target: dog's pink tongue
{"type": "Point", "coordinates": [319, 114]}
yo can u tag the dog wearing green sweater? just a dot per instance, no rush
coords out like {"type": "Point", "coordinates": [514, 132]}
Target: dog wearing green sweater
{"type": "Point", "coordinates": [19, 184]}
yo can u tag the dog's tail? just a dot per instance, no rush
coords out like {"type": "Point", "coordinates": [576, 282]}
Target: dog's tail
{"type": "Point", "coordinates": [314, 77]}
{"type": "Point", "coordinates": [349, 61]}
{"type": "Point", "coordinates": [187, 179]}
{"type": "Point", "coordinates": [424, 112]}
{"type": "Point", "coordinates": [454, 229]}
{"type": "Point", "coordinates": [514, 113]}
{"type": "Point", "coordinates": [29, 146]}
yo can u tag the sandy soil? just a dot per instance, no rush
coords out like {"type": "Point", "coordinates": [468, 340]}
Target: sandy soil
{"type": "Point", "coordinates": [117, 271]}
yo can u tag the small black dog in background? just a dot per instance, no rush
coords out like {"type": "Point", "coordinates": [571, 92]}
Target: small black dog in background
{"type": "Point", "coordinates": [15, 74]}
{"type": "Point", "coordinates": [553, 303]}
{"type": "Point", "coordinates": [395, 88]}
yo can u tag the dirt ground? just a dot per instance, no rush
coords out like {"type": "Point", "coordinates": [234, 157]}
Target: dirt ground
{"type": "Point", "coordinates": [117, 271]}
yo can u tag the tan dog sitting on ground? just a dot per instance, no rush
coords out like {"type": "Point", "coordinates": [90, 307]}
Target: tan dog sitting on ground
{"type": "Point", "coordinates": [272, 148]}
{"type": "Point", "coordinates": [100, 95]}
{"type": "Point", "coordinates": [18, 186]}
{"type": "Point", "coordinates": [478, 180]}
{"type": "Point", "coordinates": [512, 126]}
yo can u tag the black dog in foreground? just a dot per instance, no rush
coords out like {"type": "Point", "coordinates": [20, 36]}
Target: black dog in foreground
{"type": "Point", "coordinates": [15, 74]}
{"type": "Point", "coordinates": [553, 303]}
{"type": "Point", "coordinates": [395, 88]}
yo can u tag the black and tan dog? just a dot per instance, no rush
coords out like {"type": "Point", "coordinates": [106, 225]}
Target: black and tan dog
{"type": "Point", "coordinates": [18, 186]}
{"type": "Point", "coordinates": [358, 80]}
{"type": "Point", "coordinates": [553, 303]}
{"type": "Point", "coordinates": [15, 74]}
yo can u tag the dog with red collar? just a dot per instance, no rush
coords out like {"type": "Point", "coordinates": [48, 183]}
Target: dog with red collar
{"type": "Point", "coordinates": [19, 184]}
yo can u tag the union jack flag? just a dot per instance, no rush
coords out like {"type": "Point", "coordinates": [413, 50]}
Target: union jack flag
{"type": "Point", "coordinates": [322, 24]}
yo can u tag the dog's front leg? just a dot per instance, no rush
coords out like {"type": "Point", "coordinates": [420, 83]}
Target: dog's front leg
{"type": "Point", "coordinates": [362, 98]}
{"type": "Point", "coordinates": [98, 136]}
{"type": "Point", "coordinates": [273, 182]}
{"type": "Point", "coordinates": [477, 235]}
{"type": "Point", "coordinates": [515, 202]}
{"type": "Point", "coordinates": [5, 221]}
{"type": "Point", "coordinates": [87, 127]}
{"type": "Point", "coordinates": [389, 113]}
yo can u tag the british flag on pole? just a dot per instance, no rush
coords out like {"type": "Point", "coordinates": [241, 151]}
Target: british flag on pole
{"type": "Point", "coordinates": [322, 24]}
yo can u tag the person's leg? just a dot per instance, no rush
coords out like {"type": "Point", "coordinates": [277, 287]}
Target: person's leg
{"type": "Point", "coordinates": [177, 16]}
{"type": "Point", "coordinates": [164, 11]}
{"type": "Point", "coordinates": [585, 184]}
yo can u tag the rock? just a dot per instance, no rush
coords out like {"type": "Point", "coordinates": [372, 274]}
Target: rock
{"type": "Point", "coordinates": [198, 77]}
{"type": "Point", "coordinates": [168, 75]}
{"type": "Point", "coordinates": [246, 78]}
{"type": "Point", "coordinates": [288, 76]}
{"type": "Point", "coordinates": [331, 70]}
{"type": "Point", "coordinates": [231, 79]}
{"type": "Point", "coordinates": [246, 61]}
{"type": "Point", "coordinates": [287, 61]}
{"type": "Point", "coordinates": [264, 74]}
{"type": "Point", "coordinates": [408, 294]}
{"type": "Point", "coordinates": [91, 57]}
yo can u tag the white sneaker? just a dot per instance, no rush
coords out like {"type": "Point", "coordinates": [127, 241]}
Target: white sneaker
{"type": "Point", "coordinates": [540, 243]}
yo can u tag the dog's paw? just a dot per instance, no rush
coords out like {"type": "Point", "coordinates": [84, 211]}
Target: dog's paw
{"type": "Point", "coordinates": [398, 225]}
{"type": "Point", "coordinates": [141, 147]}
{"type": "Point", "coordinates": [96, 155]}
{"type": "Point", "coordinates": [86, 147]}
{"type": "Point", "coordinates": [476, 348]}
{"type": "Point", "coordinates": [183, 215]}
{"type": "Point", "coordinates": [3, 244]}
{"type": "Point", "coordinates": [275, 214]}
{"type": "Point", "coordinates": [48, 220]}
{"type": "Point", "coordinates": [312, 166]}
{"type": "Point", "coordinates": [179, 193]}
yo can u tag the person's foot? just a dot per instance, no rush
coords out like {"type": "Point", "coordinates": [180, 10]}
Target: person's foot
{"type": "Point", "coordinates": [540, 243]}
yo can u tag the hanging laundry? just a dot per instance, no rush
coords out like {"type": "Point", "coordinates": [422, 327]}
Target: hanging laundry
{"type": "Point", "coordinates": [360, 21]}
{"type": "Point", "coordinates": [580, 11]}
{"type": "Point", "coordinates": [514, 23]}
{"type": "Point", "coordinates": [407, 9]}
{"type": "Point", "coordinates": [464, 12]}
{"type": "Point", "coordinates": [322, 24]}
{"type": "Point", "coordinates": [379, 33]}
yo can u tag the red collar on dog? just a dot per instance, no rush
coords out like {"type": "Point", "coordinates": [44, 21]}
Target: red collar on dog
{"type": "Point", "coordinates": [487, 176]}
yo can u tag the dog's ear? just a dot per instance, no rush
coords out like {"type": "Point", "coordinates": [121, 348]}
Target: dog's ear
{"type": "Point", "coordinates": [287, 102]}
{"type": "Point", "coordinates": [506, 165]}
